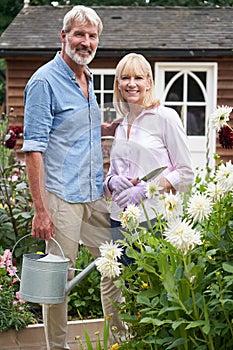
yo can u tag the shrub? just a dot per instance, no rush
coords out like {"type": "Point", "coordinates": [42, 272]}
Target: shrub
{"type": "Point", "coordinates": [16, 214]}
{"type": "Point", "coordinates": [14, 312]}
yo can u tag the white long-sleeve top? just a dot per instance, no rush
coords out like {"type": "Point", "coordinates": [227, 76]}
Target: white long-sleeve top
{"type": "Point", "coordinates": [157, 138]}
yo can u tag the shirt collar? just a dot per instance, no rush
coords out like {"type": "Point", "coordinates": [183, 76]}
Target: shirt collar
{"type": "Point", "coordinates": [68, 70]}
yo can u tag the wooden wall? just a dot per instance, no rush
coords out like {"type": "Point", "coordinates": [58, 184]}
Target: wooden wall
{"type": "Point", "coordinates": [17, 75]}
{"type": "Point", "coordinates": [19, 70]}
{"type": "Point", "coordinates": [225, 97]}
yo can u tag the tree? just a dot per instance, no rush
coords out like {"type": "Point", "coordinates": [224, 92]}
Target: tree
{"type": "Point", "coordinates": [8, 11]}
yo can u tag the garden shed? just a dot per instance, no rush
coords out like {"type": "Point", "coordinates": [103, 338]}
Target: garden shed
{"type": "Point", "coordinates": [190, 51]}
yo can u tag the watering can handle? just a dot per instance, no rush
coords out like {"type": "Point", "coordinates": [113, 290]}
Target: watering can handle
{"type": "Point", "coordinates": [29, 234]}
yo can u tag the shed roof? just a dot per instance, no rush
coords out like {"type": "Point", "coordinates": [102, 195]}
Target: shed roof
{"type": "Point", "coordinates": [186, 30]}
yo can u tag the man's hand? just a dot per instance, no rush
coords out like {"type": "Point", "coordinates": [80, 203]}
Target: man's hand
{"type": "Point", "coordinates": [42, 226]}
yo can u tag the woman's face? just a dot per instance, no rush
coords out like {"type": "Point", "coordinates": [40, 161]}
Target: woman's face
{"type": "Point", "coordinates": [133, 88]}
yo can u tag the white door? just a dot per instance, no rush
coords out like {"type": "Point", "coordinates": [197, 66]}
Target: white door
{"type": "Point", "coordinates": [191, 89]}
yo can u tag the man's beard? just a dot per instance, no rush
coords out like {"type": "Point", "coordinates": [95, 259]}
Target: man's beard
{"type": "Point", "coordinates": [76, 57]}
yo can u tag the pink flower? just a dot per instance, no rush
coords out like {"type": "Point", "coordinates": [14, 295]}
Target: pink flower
{"type": "Point", "coordinates": [7, 252]}
{"type": "Point", "coordinates": [13, 178]}
{"type": "Point", "coordinates": [15, 302]}
{"type": "Point", "coordinates": [10, 272]}
{"type": "Point", "coordinates": [8, 263]}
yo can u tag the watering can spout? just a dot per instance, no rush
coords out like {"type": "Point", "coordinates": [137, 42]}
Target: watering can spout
{"type": "Point", "coordinates": [77, 279]}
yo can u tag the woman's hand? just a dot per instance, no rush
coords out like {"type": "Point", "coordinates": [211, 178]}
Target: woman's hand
{"type": "Point", "coordinates": [131, 195]}
{"type": "Point", "coordinates": [119, 183]}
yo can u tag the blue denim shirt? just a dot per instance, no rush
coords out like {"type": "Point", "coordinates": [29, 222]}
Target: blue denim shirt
{"type": "Point", "coordinates": [66, 127]}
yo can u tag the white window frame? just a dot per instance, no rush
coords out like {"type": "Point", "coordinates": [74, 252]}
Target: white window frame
{"type": "Point", "coordinates": [210, 94]}
{"type": "Point", "coordinates": [102, 73]}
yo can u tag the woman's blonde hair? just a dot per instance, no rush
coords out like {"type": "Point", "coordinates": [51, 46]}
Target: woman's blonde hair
{"type": "Point", "coordinates": [132, 65]}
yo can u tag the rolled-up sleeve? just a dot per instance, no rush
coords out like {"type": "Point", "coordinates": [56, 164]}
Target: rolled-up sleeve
{"type": "Point", "coordinates": [38, 117]}
{"type": "Point", "coordinates": [34, 146]}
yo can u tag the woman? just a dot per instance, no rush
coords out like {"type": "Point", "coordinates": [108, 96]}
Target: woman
{"type": "Point", "coordinates": [149, 137]}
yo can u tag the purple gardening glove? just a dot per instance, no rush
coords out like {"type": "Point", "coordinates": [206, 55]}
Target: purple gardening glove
{"type": "Point", "coordinates": [131, 195]}
{"type": "Point", "coordinates": [119, 183]}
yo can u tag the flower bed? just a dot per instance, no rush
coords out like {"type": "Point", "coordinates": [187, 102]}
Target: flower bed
{"type": "Point", "coordinates": [178, 289]}
{"type": "Point", "coordinates": [32, 337]}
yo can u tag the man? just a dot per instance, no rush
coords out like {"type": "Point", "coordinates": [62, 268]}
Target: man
{"type": "Point", "coordinates": [62, 143]}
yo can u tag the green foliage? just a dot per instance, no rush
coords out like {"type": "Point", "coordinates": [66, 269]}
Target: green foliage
{"type": "Point", "coordinates": [16, 214]}
{"type": "Point", "coordinates": [84, 300]}
{"type": "Point", "coordinates": [16, 210]}
{"type": "Point", "coordinates": [14, 312]}
{"type": "Point", "coordinates": [99, 345]}
{"type": "Point", "coordinates": [8, 11]}
{"type": "Point", "coordinates": [181, 301]}
{"type": "Point", "coordinates": [16, 207]}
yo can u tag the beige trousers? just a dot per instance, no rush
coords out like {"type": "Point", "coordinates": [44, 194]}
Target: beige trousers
{"type": "Point", "coordinates": [88, 222]}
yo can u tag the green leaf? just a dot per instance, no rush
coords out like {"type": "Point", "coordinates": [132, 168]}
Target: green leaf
{"type": "Point", "coordinates": [169, 282]}
{"type": "Point", "coordinates": [106, 333]}
{"type": "Point", "coordinates": [25, 215]}
{"type": "Point", "coordinates": [148, 268]}
{"type": "Point", "coordinates": [177, 323]}
{"type": "Point", "coordinates": [228, 267]}
{"type": "Point", "coordinates": [143, 300]}
{"type": "Point", "coordinates": [195, 324]}
{"type": "Point", "coordinates": [21, 186]}
{"type": "Point", "coordinates": [206, 329]}
{"type": "Point", "coordinates": [154, 321]}
{"type": "Point", "coordinates": [176, 343]}
{"type": "Point", "coordinates": [88, 340]}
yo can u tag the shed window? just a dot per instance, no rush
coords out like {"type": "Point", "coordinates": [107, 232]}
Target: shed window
{"type": "Point", "coordinates": [186, 94]}
{"type": "Point", "coordinates": [103, 85]}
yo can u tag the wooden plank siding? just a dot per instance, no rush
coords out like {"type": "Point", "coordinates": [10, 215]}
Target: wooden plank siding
{"type": "Point", "coordinates": [225, 97]}
{"type": "Point", "coordinates": [19, 70]}
{"type": "Point", "coordinates": [17, 75]}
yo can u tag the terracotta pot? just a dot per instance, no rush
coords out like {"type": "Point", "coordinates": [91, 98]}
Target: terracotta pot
{"type": "Point", "coordinates": [32, 337]}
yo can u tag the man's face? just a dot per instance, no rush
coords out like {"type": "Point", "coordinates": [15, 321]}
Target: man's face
{"type": "Point", "coordinates": [81, 43]}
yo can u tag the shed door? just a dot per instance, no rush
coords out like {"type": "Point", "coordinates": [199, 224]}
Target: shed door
{"type": "Point", "coordinates": [191, 88]}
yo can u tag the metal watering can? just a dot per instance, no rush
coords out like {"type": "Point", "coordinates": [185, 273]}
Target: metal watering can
{"type": "Point", "coordinates": [44, 276]}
